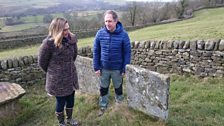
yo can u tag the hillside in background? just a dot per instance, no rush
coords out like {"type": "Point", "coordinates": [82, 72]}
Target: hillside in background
{"type": "Point", "coordinates": [193, 101]}
{"type": "Point", "coordinates": [206, 24]}
{"type": "Point", "coordinates": [34, 7]}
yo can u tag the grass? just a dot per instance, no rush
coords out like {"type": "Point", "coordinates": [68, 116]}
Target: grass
{"type": "Point", "coordinates": [206, 24]}
{"type": "Point", "coordinates": [1, 23]}
{"type": "Point", "coordinates": [38, 18]}
{"type": "Point", "coordinates": [29, 22]}
{"type": "Point", "coordinates": [33, 50]}
{"type": "Point", "coordinates": [28, 3]}
{"type": "Point", "coordinates": [34, 21]}
{"type": "Point", "coordinates": [20, 27]}
{"type": "Point", "coordinates": [24, 51]}
{"type": "Point", "coordinates": [193, 101]}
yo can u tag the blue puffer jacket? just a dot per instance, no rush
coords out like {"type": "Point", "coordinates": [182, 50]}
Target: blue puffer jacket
{"type": "Point", "coordinates": [111, 51]}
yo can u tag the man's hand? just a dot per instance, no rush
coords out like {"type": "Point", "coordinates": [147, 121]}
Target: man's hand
{"type": "Point", "coordinates": [97, 73]}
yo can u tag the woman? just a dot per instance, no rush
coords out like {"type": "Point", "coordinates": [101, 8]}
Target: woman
{"type": "Point", "coordinates": [56, 57]}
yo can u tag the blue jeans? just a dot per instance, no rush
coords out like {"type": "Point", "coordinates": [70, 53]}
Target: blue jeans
{"type": "Point", "coordinates": [117, 79]}
{"type": "Point", "coordinates": [65, 100]}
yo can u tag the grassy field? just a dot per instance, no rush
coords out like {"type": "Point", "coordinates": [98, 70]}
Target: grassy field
{"type": "Point", "coordinates": [206, 24]}
{"type": "Point", "coordinates": [193, 102]}
{"type": "Point", "coordinates": [29, 22]}
{"type": "Point", "coordinates": [28, 3]}
{"type": "Point", "coordinates": [22, 27]}
{"type": "Point", "coordinates": [33, 50]}
{"type": "Point", "coordinates": [38, 18]}
{"type": "Point", "coordinates": [1, 22]}
{"type": "Point", "coordinates": [34, 21]}
{"type": "Point", "coordinates": [30, 50]}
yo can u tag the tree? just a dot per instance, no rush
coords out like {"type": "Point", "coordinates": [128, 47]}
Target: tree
{"type": "Point", "coordinates": [214, 2]}
{"type": "Point", "coordinates": [47, 18]}
{"type": "Point", "coordinates": [12, 21]}
{"type": "Point", "coordinates": [194, 4]}
{"type": "Point", "coordinates": [155, 11]}
{"type": "Point", "coordinates": [81, 24]}
{"type": "Point", "coordinates": [67, 16]}
{"type": "Point", "coordinates": [181, 7]}
{"type": "Point", "coordinates": [144, 13]}
{"type": "Point", "coordinates": [8, 21]}
{"type": "Point", "coordinates": [132, 12]}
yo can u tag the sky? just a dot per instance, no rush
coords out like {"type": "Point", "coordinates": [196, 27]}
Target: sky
{"type": "Point", "coordinates": [153, 0]}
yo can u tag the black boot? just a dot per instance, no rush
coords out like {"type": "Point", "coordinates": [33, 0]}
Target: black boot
{"type": "Point", "coordinates": [60, 117]}
{"type": "Point", "coordinates": [70, 120]}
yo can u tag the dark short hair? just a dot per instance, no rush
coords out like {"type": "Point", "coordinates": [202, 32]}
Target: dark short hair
{"type": "Point", "coordinates": [114, 14]}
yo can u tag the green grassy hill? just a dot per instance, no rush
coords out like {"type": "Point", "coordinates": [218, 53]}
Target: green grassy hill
{"type": "Point", "coordinates": [28, 3]}
{"type": "Point", "coordinates": [206, 24]}
{"type": "Point", "coordinates": [193, 101]}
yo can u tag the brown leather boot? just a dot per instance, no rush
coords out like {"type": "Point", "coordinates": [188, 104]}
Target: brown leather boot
{"type": "Point", "coordinates": [60, 116]}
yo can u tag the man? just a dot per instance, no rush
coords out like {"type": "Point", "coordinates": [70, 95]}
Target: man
{"type": "Point", "coordinates": [111, 53]}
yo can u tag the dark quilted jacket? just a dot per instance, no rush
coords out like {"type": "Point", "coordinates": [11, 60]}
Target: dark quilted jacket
{"type": "Point", "coordinates": [58, 63]}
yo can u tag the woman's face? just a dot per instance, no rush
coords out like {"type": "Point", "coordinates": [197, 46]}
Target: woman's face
{"type": "Point", "coordinates": [65, 30]}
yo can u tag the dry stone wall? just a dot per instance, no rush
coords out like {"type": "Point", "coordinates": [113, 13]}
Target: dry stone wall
{"type": "Point", "coordinates": [203, 58]}
{"type": "Point", "coordinates": [198, 57]}
{"type": "Point", "coordinates": [25, 71]}
{"type": "Point", "coordinates": [22, 70]}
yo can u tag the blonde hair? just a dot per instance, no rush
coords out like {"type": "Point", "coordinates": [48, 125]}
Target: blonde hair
{"type": "Point", "coordinates": [56, 30]}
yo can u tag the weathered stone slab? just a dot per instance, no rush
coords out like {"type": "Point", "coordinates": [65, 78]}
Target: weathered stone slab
{"type": "Point", "coordinates": [10, 91]}
{"type": "Point", "coordinates": [9, 96]}
{"type": "Point", "coordinates": [88, 81]}
{"type": "Point", "coordinates": [147, 91]}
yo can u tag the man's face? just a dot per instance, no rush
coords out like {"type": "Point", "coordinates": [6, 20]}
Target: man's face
{"type": "Point", "coordinates": [65, 30]}
{"type": "Point", "coordinates": [110, 22]}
